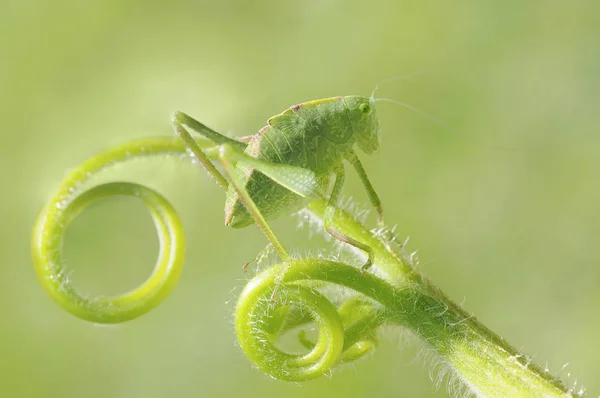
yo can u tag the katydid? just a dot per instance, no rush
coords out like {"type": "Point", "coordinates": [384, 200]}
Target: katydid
{"type": "Point", "coordinates": [290, 161]}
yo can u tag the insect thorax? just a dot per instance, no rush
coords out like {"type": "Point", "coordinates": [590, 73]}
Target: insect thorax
{"type": "Point", "coordinates": [315, 135]}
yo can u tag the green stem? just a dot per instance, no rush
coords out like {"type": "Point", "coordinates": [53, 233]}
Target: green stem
{"type": "Point", "coordinates": [400, 296]}
{"type": "Point", "coordinates": [484, 361]}
{"type": "Point", "coordinates": [393, 292]}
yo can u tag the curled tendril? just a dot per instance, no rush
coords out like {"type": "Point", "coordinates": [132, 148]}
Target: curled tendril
{"type": "Point", "coordinates": [68, 202]}
{"type": "Point", "coordinates": [346, 332]}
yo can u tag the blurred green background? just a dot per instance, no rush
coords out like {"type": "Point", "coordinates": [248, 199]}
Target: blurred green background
{"type": "Point", "coordinates": [504, 208]}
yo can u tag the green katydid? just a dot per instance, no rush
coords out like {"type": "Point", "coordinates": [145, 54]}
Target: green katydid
{"type": "Point", "coordinates": [290, 161]}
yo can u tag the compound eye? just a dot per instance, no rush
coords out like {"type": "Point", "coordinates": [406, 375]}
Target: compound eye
{"type": "Point", "coordinates": [365, 108]}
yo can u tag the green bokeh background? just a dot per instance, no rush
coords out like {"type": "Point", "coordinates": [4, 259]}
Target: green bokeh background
{"type": "Point", "coordinates": [504, 208]}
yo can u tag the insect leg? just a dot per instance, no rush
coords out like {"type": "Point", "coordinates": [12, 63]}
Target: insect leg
{"type": "Point", "coordinates": [229, 149]}
{"type": "Point", "coordinates": [229, 156]}
{"type": "Point", "coordinates": [260, 257]}
{"type": "Point", "coordinates": [180, 120]}
{"type": "Point", "coordinates": [330, 212]}
{"type": "Point", "coordinates": [373, 197]}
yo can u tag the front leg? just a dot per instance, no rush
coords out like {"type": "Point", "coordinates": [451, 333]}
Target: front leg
{"type": "Point", "coordinates": [332, 205]}
{"type": "Point", "coordinates": [373, 197]}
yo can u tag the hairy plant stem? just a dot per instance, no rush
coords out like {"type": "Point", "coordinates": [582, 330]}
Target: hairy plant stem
{"type": "Point", "coordinates": [482, 360]}
{"type": "Point", "coordinates": [288, 295]}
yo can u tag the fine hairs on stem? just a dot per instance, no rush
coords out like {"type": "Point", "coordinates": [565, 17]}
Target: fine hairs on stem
{"type": "Point", "coordinates": [395, 293]}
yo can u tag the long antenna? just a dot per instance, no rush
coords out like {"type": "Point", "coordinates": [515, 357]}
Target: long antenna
{"type": "Point", "coordinates": [435, 121]}
{"type": "Point", "coordinates": [420, 112]}
{"type": "Point", "coordinates": [397, 77]}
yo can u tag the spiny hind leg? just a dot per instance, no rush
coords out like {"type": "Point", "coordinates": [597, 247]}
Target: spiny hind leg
{"type": "Point", "coordinates": [180, 120]}
{"type": "Point", "coordinates": [332, 205]}
{"type": "Point", "coordinates": [228, 159]}
{"type": "Point", "coordinates": [301, 181]}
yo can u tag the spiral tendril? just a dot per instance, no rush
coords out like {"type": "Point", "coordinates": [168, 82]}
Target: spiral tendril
{"type": "Point", "coordinates": [68, 202]}
{"type": "Point", "coordinates": [346, 332]}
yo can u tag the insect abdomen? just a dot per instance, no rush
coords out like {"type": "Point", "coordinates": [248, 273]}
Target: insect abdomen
{"type": "Point", "coordinates": [272, 199]}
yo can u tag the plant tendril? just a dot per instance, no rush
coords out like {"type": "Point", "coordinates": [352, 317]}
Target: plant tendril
{"type": "Point", "coordinates": [68, 202]}
{"type": "Point", "coordinates": [346, 332]}
{"type": "Point", "coordinates": [346, 305]}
